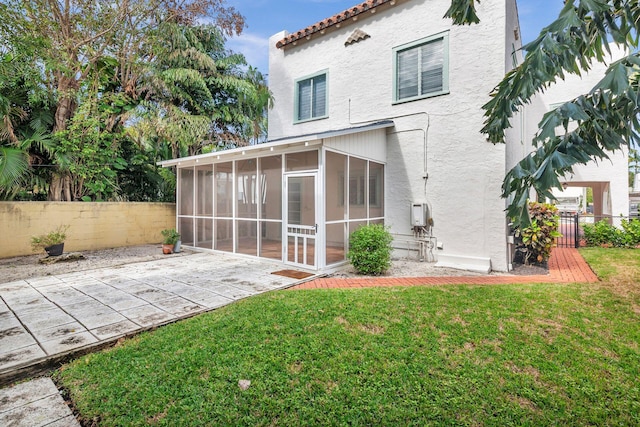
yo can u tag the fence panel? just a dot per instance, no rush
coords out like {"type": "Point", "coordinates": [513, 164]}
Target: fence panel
{"type": "Point", "coordinates": [569, 228]}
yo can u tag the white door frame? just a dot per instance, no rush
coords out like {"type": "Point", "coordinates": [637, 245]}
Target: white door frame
{"type": "Point", "coordinates": [302, 234]}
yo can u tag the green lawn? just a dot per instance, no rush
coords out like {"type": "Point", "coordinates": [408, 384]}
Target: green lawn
{"type": "Point", "coordinates": [451, 355]}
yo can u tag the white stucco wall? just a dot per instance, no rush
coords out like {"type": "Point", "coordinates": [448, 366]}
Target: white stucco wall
{"type": "Point", "coordinates": [613, 171]}
{"type": "Point", "coordinates": [436, 137]}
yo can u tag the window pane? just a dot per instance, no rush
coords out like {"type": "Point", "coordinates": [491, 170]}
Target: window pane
{"type": "Point", "coordinates": [357, 188]}
{"type": "Point", "coordinates": [304, 99]}
{"type": "Point", "coordinates": [320, 96]}
{"type": "Point", "coordinates": [185, 228]}
{"type": "Point", "coordinates": [247, 237]}
{"type": "Point", "coordinates": [376, 190]}
{"type": "Point", "coordinates": [247, 189]}
{"type": "Point", "coordinates": [204, 191]}
{"type": "Point", "coordinates": [271, 240]}
{"type": "Point", "coordinates": [336, 248]}
{"type": "Point", "coordinates": [407, 73]}
{"type": "Point", "coordinates": [204, 233]}
{"type": "Point", "coordinates": [224, 235]}
{"type": "Point", "coordinates": [224, 189]}
{"type": "Point", "coordinates": [432, 67]}
{"type": "Point", "coordinates": [186, 192]}
{"type": "Point", "coordinates": [307, 160]}
{"type": "Point", "coordinates": [301, 201]}
{"type": "Point", "coordinates": [271, 187]}
{"type": "Point", "coordinates": [336, 169]}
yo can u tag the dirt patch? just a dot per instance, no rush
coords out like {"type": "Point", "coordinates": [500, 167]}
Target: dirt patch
{"type": "Point", "coordinates": [25, 267]}
{"type": "Point", "coordinates": [529, 270]}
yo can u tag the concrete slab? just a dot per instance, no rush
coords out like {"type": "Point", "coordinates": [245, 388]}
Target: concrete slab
{"type": "Point", "coordinates": [33, 404]}
{"type": "Point", "coordinates": [115, 330]}
{"type": "Point", "coordinates": [21, 356]}
{"type": "Point", "coordinates": [15, 337]}
{"type": "Point", "coordinates": [51, 318]}
{"type": "Point", "coordinates": [69, 342]}
{"type": "Point", "coordinates": [60, 331]}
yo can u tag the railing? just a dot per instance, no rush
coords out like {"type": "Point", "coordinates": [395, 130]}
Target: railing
{"type": "Point", "coordinates": [569, 227]}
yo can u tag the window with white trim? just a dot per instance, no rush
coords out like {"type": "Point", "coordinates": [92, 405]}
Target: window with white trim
{"type": "Point", "coordinates": [421, 68]}
{"type": "Point", "coordinates": [311, 98]}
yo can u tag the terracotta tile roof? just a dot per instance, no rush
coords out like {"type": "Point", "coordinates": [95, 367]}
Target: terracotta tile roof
{"type": "Point", "coordinates": [335, 21]}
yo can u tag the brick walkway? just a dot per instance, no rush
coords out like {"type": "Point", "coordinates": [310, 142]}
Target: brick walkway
{"type": "Point", "coordinates": [566, 265]}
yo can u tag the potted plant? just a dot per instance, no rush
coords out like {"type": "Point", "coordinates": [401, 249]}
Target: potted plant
{"type": "Point", "coordinates": [170, 238]}
{"type": "Point", "coordinates": [52, 242]}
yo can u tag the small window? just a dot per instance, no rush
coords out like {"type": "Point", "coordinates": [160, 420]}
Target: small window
{"type": "Point", "coordinates": [421, 68]}
{"type": "Point", "coordinates": [311, 98]}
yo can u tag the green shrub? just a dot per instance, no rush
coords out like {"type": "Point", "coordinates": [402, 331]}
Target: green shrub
{"type": "Point", "coordinates": [170, 236]}
{"type": "Point", "coordinates": [54, 237]}
{"type": "Point", "coordinates": [537, 240]}
{"type": "Point", "coordinates": [604, 234]}
{"type": "Point", "coordinates": [370, 249]}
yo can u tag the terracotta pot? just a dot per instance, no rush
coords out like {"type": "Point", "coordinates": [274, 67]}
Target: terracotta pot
{"type": "Point", "coordinates": [167, 249]}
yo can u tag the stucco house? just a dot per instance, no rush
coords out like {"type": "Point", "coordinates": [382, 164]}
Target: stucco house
{"type": "Point", "coordinates": [376, 120]}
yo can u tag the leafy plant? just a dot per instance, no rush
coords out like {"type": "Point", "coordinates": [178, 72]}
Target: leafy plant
{"type": "Point", "coordinates": [57, 236]}
{"type": "Point", "coordinates": [370, 249]}
{"type": "Point", "coordinates": [604, 234]}
{"type": "Point", "coordinates": [537, 239]}
{"type": "Point", "coordinates": [170, 236]}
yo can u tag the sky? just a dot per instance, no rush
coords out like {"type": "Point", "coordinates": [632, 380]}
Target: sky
{"type": "Point", "coordinates": [267, 17]}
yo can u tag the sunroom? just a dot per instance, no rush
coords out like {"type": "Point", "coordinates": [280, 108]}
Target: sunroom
{"type": "Point", "coordinates": [293, 200]}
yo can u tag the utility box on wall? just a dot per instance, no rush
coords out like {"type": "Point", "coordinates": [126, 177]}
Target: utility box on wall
{"type": "Point", "coordinates": [420, 215]}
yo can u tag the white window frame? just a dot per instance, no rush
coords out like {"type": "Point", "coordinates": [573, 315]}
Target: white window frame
{"type": "Point", "coordinates": [296, 98]}
{"type": "Point", "coordinates": [444, 37]}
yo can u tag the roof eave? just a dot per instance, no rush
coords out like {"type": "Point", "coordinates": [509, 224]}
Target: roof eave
{"type": "Point", "coordinates": [279, 144]}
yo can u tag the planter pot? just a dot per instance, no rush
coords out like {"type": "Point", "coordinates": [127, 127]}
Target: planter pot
{"type": "Point", "coordinates": [167, 249]}
{"type": "Point", "coordinates": [176, 247]}
{"type": "Point", "coordinates": [55, 250]}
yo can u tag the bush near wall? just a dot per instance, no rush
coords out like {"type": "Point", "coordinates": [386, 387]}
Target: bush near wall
{"type": "Point", "coordinates": [604, 234]}
{"type": "Point", "coordinates": [537, 240]}
{"type": "Point", "coordinates": [370, 249]}
{"type": "Point", "coordinates": [92, 225]}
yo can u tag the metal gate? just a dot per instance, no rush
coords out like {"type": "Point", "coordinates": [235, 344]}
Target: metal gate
{"type": "Point", "coordinates": [569, 227]}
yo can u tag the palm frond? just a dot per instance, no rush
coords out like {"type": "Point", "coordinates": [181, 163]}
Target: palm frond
{"type": "Point", "coordinates": [14, 166]}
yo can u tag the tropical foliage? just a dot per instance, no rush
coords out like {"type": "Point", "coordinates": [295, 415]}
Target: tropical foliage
{"type": "Point", "coordinates": [91, 97]}
{"type": "Point", "coordinates": [592, 125]}
{"type": "Point", "coordinates": [538, 238]}
{"type": "Point", "coordinates": [602, 233]}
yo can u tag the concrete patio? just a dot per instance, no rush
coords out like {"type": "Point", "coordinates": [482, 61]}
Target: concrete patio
{"type": "Point", "coordinates": [47, 319]}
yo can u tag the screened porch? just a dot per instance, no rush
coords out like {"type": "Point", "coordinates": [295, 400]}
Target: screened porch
{"type": "Point", "coordinates": [295, 203]}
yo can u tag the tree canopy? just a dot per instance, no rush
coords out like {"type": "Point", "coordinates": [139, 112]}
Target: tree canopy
{"type": "Point", "coordinates": [92, 95]}
{"type": "Point", "coordinates": [606, 116]}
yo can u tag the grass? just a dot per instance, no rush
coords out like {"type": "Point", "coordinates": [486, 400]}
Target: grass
{"type": "Point", "coordinates": [614, 263]}
{"type": "Point", "coordinates": [452, 355]}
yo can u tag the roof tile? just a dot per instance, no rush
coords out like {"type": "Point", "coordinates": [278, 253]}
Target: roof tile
{"type": "Point", "coordinates": [333, 21]}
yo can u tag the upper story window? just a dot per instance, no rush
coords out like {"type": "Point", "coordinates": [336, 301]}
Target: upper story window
{"type": "Point", "coordinates": [311, 97]}
{"type": "Point", "coordinates": [421, 68]}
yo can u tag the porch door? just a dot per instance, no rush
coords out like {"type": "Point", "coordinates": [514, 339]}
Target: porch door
{"type": "Point", "coordinates": [302, 226]}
